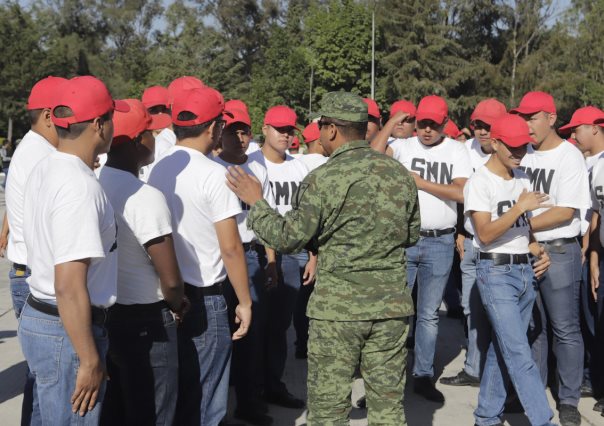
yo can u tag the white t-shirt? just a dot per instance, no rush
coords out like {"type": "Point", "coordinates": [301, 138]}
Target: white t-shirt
{"type": "Point", "coordinates": [312, 161]}
{"type": "Point", "coordinates": [440, 164]}
{"type": "Point", "coordinates": [561, 173]}
{"type": "Point", "coordinates": [590, 162]}
{"type": "Point", "coordinates": [165, 140]}
{"type": "Point", "coordinates": [255, 169]}
{"type": "Point", "coordinates": [597, 191]}
{"type": "Point", "coordinates": [67, 217]}
{"type": "Point", "coordinates": [142, 214]}
{"type": "Point", "coordinates": [487, 192]}
{"type": "Point", "coordinates": [197, 195]}
{"type": "Point", "coordinates": [252, 147]}
{"type": "Point", "coordinates": [284, 177]}
{"type": "Point", "coordinates": [477, 159]}
{"type": "Point", "coordinates": [102, 160]}
{"type": "Point", "coordinates": [32, 149]}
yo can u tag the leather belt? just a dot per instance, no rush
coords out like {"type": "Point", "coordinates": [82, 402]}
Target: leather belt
{"type": "Point", "coordinates": [99, 315]}
{"type": "Point", "coordinates": [194, 292]}
{"type": "Point", "coordinates": [505, 258]}
{"type": "Point", "coordinates": [435, 232]}
{"type": "Point", "coordinates": [19, 267]}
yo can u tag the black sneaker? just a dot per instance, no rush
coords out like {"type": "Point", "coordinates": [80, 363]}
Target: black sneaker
{"type": "Point", "coordinates": [462, 379]}
{"type": "Point", "coordinates": [586, 389]}
{"type": "Point", "coordinates": [599, 406]}
{"type": "Point", "coordinates": [569, 415]}
{"type": "Point", "coordinates": [283, 399]}
{"type": "Point", "coordinates": [253, 417]}
{"type": "Point", "coordinates": [423, 386]}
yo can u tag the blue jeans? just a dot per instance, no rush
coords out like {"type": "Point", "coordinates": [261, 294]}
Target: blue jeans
{"type": "Point", "coordinates": [247, 366]}
{"type": "Point", "coordinates": [508, 296]}
{"type": "Point", "coordinates": [54, 363]}
{"type": "Point", "coordinates": [479, 328]}
{"type": "Point", "coordinates": [19, 290]}
{"type": "Point", "coordinates": [142, 363]}
{"type": "Point", "coordinates": [430, 261]}
{"type": "Point", "coordinates": [282, 304]}
{"type": "Point", "coordinates": [204, 358]}
{"type": "Point", "coordinates": [558, 306]}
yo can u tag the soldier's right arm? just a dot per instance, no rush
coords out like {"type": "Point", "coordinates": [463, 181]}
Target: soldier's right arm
{"type": "Point", "coordinates": [292, 232]}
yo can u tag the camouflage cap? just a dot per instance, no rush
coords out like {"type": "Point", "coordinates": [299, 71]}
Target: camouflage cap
{"type": "Point", "coordinates": [344, 106]}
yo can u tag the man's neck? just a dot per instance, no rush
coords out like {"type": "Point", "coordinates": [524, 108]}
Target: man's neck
{"type": "Point", "coordinates": [233, 156]}
{"type": "Point", "coordinates": [550, 142]}
{"type": "Point", "coordinates": [597, 148]}
{"type": "Point", "coordinates": [272, 155]}
{"type": "Point", "coordinates": [79, 148]}
{"type": "Point", "coordinates": [41, 132]}
{"type": "Point", "coordinates": [498, 168]}
{"type": "Point", "coordinates": [120, 163]}
{"type": "Point", "coordinates": [196, 144]}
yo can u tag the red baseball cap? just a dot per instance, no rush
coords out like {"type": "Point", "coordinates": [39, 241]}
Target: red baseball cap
{"type": "Point", "coordinates": [372, 108]}
{"type": "Point", "coordinates": [156, 95]}
{"type": "Point", "coordinates": [512, 130]}
{"type": "Point", "coordinates": [87, 97]}
{"type": "Point", "coordinates": [534, 102]}
{"type": "Point", "coordinates": [280, 116]}
{"type": "Point", "coordinates": [206, 103]}
{"type": "Point", "coordinates": [43, 93]}
{"type": "Point", "coordinates": [295, 143]}
{"type": "Point", "coordinates": [488, 111]}
{"type": "Point", "coordinates": [235, 104]}
{"type": "Point", "coordinates": [432, 108]}
{"type": "Point", "coordinates": [311, 132]}
{"type": "Point", "coordinates": [451, 129]}
{"type": "Point", "coordinates": [181, 84]}
{"type": "Point", "coordinates": [236, 116]}
{"type": "Point", "coordinates": [585, 115]}
{"type": "Point", "coordinates": [404, 106]}
{"type": "Point", "coordinates": [128, 125]}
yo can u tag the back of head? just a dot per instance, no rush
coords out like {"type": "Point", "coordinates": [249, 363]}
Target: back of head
{"type": "Point", "coordinates": [194, 110]}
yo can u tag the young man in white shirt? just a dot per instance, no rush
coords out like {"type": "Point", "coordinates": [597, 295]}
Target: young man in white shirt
{"type": "Point", "coordinates": [497, 199]}
{"type": "Point", "coordinates": [143, 354]}
{"type": "Point", "coordinates": [479, 331]}
{"type": "Point", "coordinates": [70, 236]}
{"type": "Point", "coordinates": [290, 297]}
{"type": "Point", "coordinates": [36, 145]}
{"type": "Point", "coordinates": [558, 169]}
{"type": "Point", "coordinates": [440, 167]}
{"type": "Point", "coordinates": [399, 127]}
{"type": "Point", "coordinates": [586, 128]}
{"type": "Point", "coordinates": [315, 156]}
{"type": "Point", "coordinates": [208, 247]}
{"type": "Point", "coordinates": [249, 353]}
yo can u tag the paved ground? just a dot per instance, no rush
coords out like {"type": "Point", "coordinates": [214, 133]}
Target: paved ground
{"type": "Point", "coordinates": [460, 402]}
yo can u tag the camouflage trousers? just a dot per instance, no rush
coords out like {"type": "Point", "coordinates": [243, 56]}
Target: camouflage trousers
{"type": "Point", "coordinates": [335, 349]}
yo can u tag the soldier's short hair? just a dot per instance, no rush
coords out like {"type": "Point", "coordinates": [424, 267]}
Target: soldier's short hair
{"type": "Point", "coordinates": [349, 129]}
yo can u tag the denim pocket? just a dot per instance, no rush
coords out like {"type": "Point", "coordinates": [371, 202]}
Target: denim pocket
{"type": "Point", "coordinates": [43, 355]}
{"type": "Point", "coordinates": [219, 304]}
{"type": "Point", "coordinates": [500, 269]}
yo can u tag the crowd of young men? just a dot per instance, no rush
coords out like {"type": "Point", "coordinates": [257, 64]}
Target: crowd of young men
{"type": "Point", "coordinates": [155, 243]}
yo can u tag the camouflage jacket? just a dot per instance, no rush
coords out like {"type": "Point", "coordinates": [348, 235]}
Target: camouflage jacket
{"type": "Point", "coordinates": [359, 211]}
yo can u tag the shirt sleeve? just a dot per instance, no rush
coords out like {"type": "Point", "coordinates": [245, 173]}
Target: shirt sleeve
{"type": "Point", "coordinates": [477, 196]}
{"type": "Point", "coordinates": [223, 203]}
{"type": "Point", "coordinates": [573, 187]}
{"type": "Point", "coordinates": [149, 217]}
{"type": "Point", "coordinates": [462, 167]}
{"type": "Point", "coordinates": [292, 232]}
{"type": "Point", "coordinates": [85, 242]}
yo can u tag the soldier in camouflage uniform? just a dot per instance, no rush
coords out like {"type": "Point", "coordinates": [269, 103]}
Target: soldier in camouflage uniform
{"type": "Point", "coordinates": [359, 211]}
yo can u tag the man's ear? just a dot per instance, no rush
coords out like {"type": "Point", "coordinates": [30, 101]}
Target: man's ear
{"type": "Point", "coordinates": [552, 119]}
{"type": "Point", "coordinates": [46, 116]}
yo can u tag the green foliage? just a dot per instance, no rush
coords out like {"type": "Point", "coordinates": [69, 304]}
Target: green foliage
{"type": "Point", "coordinates": [270, 52]}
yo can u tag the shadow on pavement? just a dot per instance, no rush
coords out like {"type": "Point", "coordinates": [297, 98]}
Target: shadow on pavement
{"type": "Point", "coordinates": [5, 334]}
{"type": "Point", "coordinates": [13, 380]}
